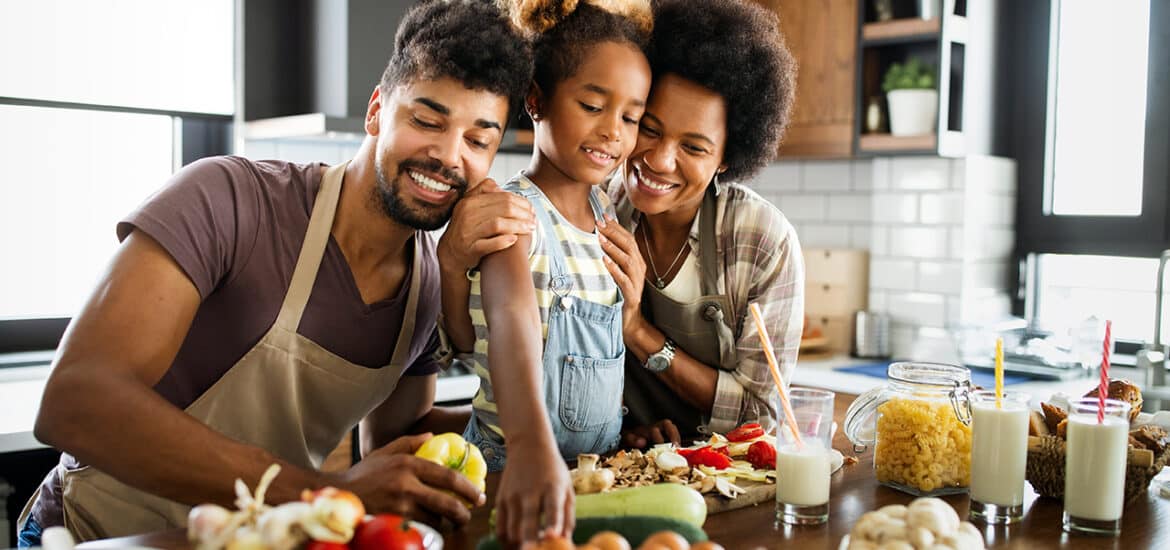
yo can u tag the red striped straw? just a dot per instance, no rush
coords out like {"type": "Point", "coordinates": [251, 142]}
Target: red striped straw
{"type": "Point", "coordinates": [1103, 389]}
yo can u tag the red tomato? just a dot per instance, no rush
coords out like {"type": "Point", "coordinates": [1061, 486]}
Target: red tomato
{"type": "Point", "coordinates": [318, 545]}
{"type": "Point", "coordinates": [762, 455]}
{"type": "Point", "coordinates": [386, 532]}
{"type": "Point", "coordinates": [745, 432]}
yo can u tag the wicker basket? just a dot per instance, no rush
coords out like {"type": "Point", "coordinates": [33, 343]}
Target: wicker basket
{"type": "Point", "coordinates": [1045, 470]}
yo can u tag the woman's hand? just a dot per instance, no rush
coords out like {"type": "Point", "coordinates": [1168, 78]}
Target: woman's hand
{"type": "Point", "coordinates": [660, 432]}
{"type": "Point", "coordinates": [535, 497]}
{"type": "Point", "coordinates": [625, 264]}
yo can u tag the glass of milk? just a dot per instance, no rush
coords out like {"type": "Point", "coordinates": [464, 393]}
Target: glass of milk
{"type": "Point", "coordinates": [803, 469]}
{"type": "Point", "coordinates": [999, 455]}
{"type": "Point", "coordinates": [1094, 463]}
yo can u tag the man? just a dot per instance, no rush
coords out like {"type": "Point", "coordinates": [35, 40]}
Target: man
{"type": "Point", "coordinates": [256, 311]}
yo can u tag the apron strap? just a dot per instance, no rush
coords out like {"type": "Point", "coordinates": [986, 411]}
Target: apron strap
{"type": "Point", "coordinates": [709, 279]}
{"type": "Point", "coordinates": [313, 248]}
{"type": "Point", "coordinates": [708, 253]}
{"type": "Point", "coordinates": [406, 332]}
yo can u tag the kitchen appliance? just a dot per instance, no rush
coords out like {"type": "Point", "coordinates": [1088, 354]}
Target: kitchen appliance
{"type": "Point", "coordinates": [871, 335]}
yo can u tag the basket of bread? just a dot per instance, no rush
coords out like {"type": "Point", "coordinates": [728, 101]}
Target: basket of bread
{"type": "Point", "coordinates": [1047, 433]}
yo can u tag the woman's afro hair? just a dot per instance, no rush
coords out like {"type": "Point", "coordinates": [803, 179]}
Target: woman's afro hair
{"type": "Point", "coordinates": [470, 41]}
{"type": "Point", "coordinates": [734, 48]}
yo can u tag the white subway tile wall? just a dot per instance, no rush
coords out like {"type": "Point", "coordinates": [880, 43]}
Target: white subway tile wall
{"type": "Point", "coordinates": [939, 232]}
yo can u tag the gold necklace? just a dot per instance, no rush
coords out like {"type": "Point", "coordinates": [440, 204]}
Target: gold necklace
{"type": "Point", "coordinates": [658, 282]}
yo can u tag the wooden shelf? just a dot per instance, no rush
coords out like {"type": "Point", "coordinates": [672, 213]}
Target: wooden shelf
{"type": "Point", "coordinates": [886, 143]}
{"type": "Point", "coordinates": [901, 30]}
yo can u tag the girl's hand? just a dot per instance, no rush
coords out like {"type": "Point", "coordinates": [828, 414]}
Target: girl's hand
{"type": "Point", "coordinates": [535, 498]}
{"type": "Point", "coordinates": [625, 264]}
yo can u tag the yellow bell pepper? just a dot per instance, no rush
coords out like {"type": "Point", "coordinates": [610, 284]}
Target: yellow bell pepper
{"type": "Point", "coordinates": [452, 451]}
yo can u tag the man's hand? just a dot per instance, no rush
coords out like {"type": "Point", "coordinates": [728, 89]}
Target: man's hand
{"type": "Point", "coordinates": [487, 219]}
{"type": "Point", "coordinates": [535, 496]}
{"type": "Point", "coordinates": [659, 432]}
{"type": "Point", "coordinates": [391, 479]}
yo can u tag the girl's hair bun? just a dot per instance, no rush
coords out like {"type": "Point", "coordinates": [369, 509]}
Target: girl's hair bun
{"type": "Point", "coordinates": [536, 17]}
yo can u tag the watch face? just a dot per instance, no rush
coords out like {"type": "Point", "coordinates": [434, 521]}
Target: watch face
{"type": "Point", "coordinates": [657, 363]}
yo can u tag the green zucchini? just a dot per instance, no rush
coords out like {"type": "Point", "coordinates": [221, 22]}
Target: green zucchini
{"type": "Point", "coordinates": [665, 500]}
{"type": "Point", "coordinates": [636, 529]}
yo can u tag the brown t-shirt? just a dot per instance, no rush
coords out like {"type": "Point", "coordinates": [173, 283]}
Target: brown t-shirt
{"type": "Point", "coordinates": [235, 226]}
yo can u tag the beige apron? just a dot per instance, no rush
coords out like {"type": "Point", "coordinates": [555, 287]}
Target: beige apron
{"type": "Point", "coordinates": [287, 395]}
{"type": "Point", "coordinates": [701, 328]}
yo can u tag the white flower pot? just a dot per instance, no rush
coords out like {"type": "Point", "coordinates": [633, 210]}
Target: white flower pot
{"type": "Point", "coordinates": [912, 112]}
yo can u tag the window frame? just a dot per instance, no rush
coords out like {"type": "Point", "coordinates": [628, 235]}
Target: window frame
{"type": "Point", "coordinates": [1144, 235]}
{"type": "Point", "coordinates": [1029, 59]}
{"type": "Point", "coordinates": [201, 135]}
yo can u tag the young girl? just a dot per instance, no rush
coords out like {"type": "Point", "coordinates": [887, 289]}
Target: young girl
{"type": "Point", "coordinates": [546, 312]}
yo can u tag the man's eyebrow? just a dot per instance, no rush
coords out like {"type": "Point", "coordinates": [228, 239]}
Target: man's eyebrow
{"type": "Point", "coordinates": [443, 110]}
{"type": "Point", "coordinates": [434, 105]}
{"type": "Point", "coordinates": [598, 89]}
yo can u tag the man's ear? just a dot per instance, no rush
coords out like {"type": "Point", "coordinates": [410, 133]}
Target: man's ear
{"type": "Point", "coordinates": [373, 111]}
{"type": "Point", "coordinates": [534, 102]}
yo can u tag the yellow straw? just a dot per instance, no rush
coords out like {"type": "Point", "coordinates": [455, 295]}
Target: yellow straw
{"type": "Point", "coordinates": [771, 355]}
{"type": "Point", "coordinates": [999, 373]}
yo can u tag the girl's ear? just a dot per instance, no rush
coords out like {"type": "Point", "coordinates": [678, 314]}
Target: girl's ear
{"type": "Point", "coordinates": [534, 102]}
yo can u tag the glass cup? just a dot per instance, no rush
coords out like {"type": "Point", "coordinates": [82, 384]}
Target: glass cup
{"type": "Point", "coordinates": [803, 469]}
{"type": "Point", "coordinates": [1094, 464]}
{"type": "Point", "coordinates": [999, 456]}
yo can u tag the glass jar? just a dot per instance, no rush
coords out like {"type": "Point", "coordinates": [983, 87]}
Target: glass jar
{"type": "Point", "coordinates": [919, 425]}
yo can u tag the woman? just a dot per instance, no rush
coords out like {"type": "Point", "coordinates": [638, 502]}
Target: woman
{"type": "Point", "coordinates": [723, 87]}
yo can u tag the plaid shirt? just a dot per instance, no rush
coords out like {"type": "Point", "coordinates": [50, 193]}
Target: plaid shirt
{"type": "Point", "coordinates": [760, 261]}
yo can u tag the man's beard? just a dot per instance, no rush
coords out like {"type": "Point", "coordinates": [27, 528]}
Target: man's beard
{"type": "Point", "coordinates": [389, 195]}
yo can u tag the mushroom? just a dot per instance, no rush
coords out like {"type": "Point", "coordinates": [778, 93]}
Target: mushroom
{"type": "Point", "coordinates": [588, 478]}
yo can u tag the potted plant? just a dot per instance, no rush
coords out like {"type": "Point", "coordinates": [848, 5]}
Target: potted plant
{"type": "Point", "coordinates": [911, 95]}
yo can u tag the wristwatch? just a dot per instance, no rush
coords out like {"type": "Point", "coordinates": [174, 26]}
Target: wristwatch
{"type": "Point", "coordinates": [660, 360]}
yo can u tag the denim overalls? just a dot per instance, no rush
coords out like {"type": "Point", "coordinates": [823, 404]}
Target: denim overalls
{"type": "Point", "coordinates": [582, 362]}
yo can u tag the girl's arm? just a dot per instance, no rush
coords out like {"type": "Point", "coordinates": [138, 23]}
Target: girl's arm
{"type": "Point", "coordinates": [535, 483]}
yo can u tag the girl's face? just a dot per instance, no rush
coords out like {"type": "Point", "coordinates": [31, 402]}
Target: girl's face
{"type": "Point", "coordinates": [589, 123]}
{"type": "Point", "coordinates": [680, 147]}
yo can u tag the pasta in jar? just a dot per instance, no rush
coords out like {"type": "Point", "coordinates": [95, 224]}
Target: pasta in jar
{"type": "Point", "coordinates": [922, 447]}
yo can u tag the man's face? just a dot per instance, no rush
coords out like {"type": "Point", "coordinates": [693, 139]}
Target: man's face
{"type": "Point", "coordinates": [434, 137]}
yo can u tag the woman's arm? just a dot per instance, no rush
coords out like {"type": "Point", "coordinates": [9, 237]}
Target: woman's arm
{"type": "Point", "coordinates": [535, 483]}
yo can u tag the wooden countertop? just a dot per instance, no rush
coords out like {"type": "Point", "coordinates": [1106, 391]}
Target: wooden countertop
{"type": "Point", "coordinates": [1146, 523]}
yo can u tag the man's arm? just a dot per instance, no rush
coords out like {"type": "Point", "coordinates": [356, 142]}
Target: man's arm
{"type": "Point", "coordinates": [99, 403]}
{"type": "Point", "coordinates": [535, 483]}
{"type": "Point", "coordinates": [410, 410]}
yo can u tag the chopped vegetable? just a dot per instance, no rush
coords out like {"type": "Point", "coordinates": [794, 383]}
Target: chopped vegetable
{"type": "Point", "coordinates": [762, 455]}
{"type": "Point", "coordinates": [745, 432]}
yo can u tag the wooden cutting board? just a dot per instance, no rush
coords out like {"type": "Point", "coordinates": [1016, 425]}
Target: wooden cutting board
{"type": "Point", "coordinates": [757, 493]}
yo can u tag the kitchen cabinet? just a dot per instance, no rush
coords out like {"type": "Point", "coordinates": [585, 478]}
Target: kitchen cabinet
{"type": "Point", "coordinates": [823, 38]}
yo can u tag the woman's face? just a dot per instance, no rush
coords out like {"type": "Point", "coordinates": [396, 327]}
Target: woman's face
{"type": "Point", "coordinates": [589, 124]}
{"type": "Point", "coordinates": [679, 149]}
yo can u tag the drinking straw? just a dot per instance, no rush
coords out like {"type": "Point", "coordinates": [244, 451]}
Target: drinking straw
{"type": "Point", "coordinates": [1103, 388]}
{"type": "Point", "coordinates": [999, 373]}
{"type": "Point", "coordinates": [771, 356]}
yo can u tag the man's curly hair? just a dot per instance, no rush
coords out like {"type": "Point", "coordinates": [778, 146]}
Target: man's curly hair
{"type": "Point", "coordinates": [468, 40]}
{"type": "Point", "coordinates": [563, 31]}
{"type": "Point", "coordinates": [734, 48]}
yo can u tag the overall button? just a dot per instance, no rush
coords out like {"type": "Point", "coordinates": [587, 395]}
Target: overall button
{"type": "Point", "coordinates": [625, 410]}
{"type": "Point", "coordinates": [703, 430]}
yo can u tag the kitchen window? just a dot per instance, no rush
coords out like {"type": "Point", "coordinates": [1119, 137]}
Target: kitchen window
{"type": "Point", "coordinates": [105, 99]}
{"type": "Point", "coordinates": [1095, 84]}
